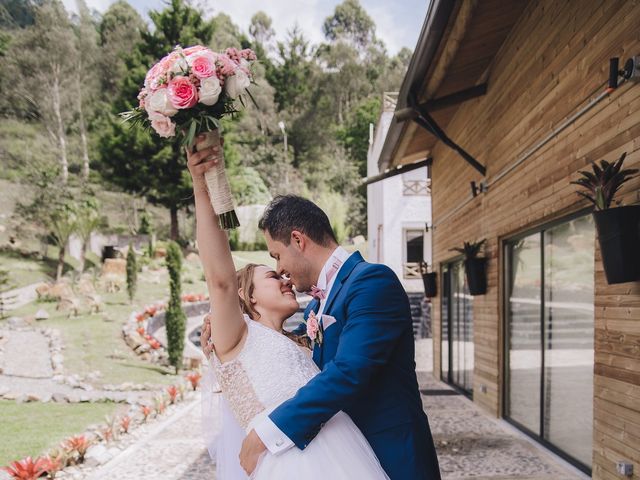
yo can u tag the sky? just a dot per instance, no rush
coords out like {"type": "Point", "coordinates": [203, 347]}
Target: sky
{"type": "Point", "coordinates": [398, 23]}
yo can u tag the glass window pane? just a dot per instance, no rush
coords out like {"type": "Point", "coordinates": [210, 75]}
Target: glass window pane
{"type": "Point", "coordinates": [444, 345]}
{"type": "Point", "coordinates": [569, 325]}
{"type": "Point", "coordinates": [461, 329]}
{"type": "Point", "coordinates": [525, 357]}
{"type": "Point", "coordinates": [415, 246]}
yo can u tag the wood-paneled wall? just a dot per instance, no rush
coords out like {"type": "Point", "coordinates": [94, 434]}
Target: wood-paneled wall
{"type": "Point", "coordinates": [554, 61]}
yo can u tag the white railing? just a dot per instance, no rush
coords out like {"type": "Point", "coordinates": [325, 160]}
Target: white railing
{"type": "Point", "coordinates": [411, 271]}
{"type": "Point", "coordinates": [416, 187]}
{"type": "Point", "coordinates": [389, 101]}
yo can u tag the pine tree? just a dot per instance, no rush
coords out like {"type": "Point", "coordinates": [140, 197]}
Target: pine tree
{"type": "Point", "coordinates": [132, 273]}
{"type": "Point", "coordinates": [175, 318]}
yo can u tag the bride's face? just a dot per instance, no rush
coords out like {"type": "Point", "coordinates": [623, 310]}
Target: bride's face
{"type": "Point", "coordinates": [273, 293]}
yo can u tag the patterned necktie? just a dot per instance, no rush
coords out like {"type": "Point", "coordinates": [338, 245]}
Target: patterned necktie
{"type": "Point", "coordinates": [319, 293]}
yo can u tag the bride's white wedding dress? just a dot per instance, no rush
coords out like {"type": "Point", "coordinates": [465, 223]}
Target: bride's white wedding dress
{"type": "Point", "coordinates": [270, 369]}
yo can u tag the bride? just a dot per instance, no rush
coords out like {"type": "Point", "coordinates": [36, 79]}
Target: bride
{"type": "Point", "coordinates": [257, 363]}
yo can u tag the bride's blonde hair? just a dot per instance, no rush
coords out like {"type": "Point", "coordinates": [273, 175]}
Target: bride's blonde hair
{"type": "Point", "coordinates": [246, 286]}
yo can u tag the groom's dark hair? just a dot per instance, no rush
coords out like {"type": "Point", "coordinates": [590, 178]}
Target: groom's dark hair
{"type": "Point", "coordinates": [286, 213]}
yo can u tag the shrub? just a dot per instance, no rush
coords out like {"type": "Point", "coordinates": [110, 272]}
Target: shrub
{"type": "Point", "coordinates": [132, 273]}
{"type": "Point", "coordinates": [175, 318]}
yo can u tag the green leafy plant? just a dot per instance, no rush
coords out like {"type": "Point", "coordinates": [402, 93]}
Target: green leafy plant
{"type": "Point", "coordinates": [132, 273]}
{"type": "Point", "coordinates": [470, 249]}
{"type": "Point", "coordinates": [175, 317]}
{"type": "Point", "coordinates": [604, 181]}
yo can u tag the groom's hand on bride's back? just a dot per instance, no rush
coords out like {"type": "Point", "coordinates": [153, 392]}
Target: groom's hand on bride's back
{"type": "Point", "coordinates": [205, 336]}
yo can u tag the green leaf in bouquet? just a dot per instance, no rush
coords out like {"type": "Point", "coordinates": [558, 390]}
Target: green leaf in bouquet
{"type": "Point", "coordinates": [253, 100]}
{"type": "Point", "coordinates": [192, 131]}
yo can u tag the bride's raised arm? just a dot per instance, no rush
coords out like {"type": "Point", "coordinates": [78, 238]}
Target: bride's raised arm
{"type": "Point", "coordinates": [227, 324]}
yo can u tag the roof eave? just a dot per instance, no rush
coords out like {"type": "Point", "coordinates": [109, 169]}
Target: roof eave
{"type": "Point", "coordinates": [433, 29]}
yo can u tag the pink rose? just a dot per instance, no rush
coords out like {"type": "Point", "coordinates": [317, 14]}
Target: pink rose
{"type": "Point", "coordinates": [182, 93]}
{"type": "Point", "coordinates": [204, 66]}
{"type": "Point", "coordinates": [155, 75]}
{"type": "Point", "coordinates": [162, 125]}
{"type": "Point", "coordinates": [312, 326]}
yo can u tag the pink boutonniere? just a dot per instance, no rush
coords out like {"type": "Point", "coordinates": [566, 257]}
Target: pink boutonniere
{"type": "Point", "coordinates": [315, 331]}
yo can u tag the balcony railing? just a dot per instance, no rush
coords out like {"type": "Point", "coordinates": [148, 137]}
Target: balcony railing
{"type": "Point", "coordinates": [416, 187]}
{"type": "Point", "coordinates": [411, 271]}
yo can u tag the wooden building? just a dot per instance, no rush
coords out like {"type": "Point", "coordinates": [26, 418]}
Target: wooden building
{"type": "Point", "coordinates": [513, 96]}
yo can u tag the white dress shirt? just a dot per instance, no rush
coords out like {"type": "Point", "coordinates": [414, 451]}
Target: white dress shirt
{"type": "Point", "coordinates": [273, 438]}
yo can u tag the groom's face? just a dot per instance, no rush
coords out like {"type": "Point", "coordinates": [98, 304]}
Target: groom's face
{"type": "Point", "coordinates": [290, 261]}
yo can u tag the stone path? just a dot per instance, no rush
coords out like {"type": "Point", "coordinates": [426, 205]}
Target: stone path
{"type": "Point", "coordinates": [27, 374]}
{"type": "Point", "coordinates": [472, 445]}
{"type": "Point", "coordinates": [26, 354]}
{"type": "Point", "coordinates": [173, 450]}
{"type": "Point", "coordinates": [21, 296]}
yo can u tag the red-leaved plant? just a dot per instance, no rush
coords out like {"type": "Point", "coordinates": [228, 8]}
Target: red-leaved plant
{"type": "Point", "coordinates": [78, 444]}
{"type": "Point", "coordinates": [27, 468]}
{"type": "Point", "coordinates": [194, 379]}
{"type": "Point", "coordinates": [173, 393]}
{"type": "Point", "coordinates": [146, 411]}
{"type": "Point", "coordinates": [54, 463]}
{"type": "Point", "coordinates": [125, 422]}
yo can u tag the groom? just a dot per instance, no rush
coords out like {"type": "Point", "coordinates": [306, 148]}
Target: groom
{"type": "Point", "coordinates": [366, 351]}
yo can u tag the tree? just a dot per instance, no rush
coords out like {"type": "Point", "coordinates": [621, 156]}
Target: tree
{"type": "Point", "coordinates": [351, 23]}
{"type": "Point", "coordinates": [63, 224]}
{"type": "Point", "coordinates": [132, 158]}
{"type": "Point", "coordinates": [52, 212]}
{"type": "Point", "coordinates": [119, 31]}
{"type": "Point", "coordinates": [132, 272]}
{"type": "Point", "coordinates": [261, 28]}
{"type": "Point", "coordinates": [88, 220]}
{"type": "Point", "coordinates": [291, 80]}
{"type": "Point", "coordinates": [86, 77]}
{"type": "Point", "coordinates": [175, 317]}
{"type": "Point", "coordinates": [46, 73]}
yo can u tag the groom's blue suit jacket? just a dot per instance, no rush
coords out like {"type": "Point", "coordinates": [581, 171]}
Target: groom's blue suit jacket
{"type": "Point", "coordinates": [368, 371]}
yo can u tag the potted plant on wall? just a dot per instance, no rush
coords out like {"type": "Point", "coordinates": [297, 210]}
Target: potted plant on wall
{"type": "Point", "coordinates": [429, 279]}
{"type": "Point", "coordinates": [475, 267]}
{"type": "Point", "coordinates": [618, 227]}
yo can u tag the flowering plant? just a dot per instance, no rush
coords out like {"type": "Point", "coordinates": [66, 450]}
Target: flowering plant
{"type": "Point", "coordinates": [188, 92]}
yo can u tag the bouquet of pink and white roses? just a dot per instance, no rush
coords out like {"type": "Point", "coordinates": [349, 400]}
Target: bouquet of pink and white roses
{"type": "Point", "coordinates": [187, 92]}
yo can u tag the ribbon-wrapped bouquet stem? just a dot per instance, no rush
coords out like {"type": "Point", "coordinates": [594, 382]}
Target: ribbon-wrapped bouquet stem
{"type": "Point", "coordinates": [188, 92]}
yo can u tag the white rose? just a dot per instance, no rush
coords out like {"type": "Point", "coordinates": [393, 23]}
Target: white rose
{"type": "Point", "coordinates": [179, 66]}
{"type": "Point", "coordinates": [159, 102]}
{"type": "Point", "coordinates": [209, 90]}
{"type": "Point", "coordinates": [237, 84]}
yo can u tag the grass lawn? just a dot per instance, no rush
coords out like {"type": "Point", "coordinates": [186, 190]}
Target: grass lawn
{"type": "Point", "coordinates": [32, 428]}
{"type": "Point", "coordinates": [94, 342]}
{"type": "Point", "coordinates": [241, 258]}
